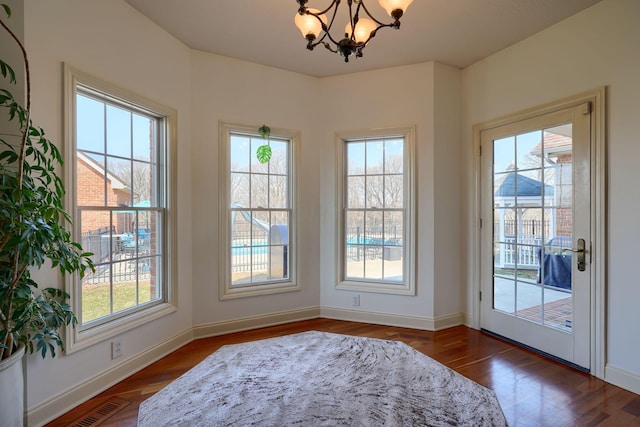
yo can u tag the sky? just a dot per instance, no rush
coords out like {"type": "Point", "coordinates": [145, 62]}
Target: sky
{"type": "Point", "coordinates": [122, 129]}
{"type": "Point", "coordinates": [515, 150]}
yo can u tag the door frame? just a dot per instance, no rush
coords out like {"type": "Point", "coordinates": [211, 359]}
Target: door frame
{"type": "Point", "coordinates": [598, 211]}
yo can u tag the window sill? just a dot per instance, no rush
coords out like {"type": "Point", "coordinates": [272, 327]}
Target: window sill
{"type": "Point", "coordinates": [79, 340]}
{"type": "Point", "coordinates": [377, 287]}
{"type": "Point", "coordinates": [250, 291]}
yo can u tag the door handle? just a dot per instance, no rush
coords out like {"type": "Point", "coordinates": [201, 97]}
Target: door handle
{"type": "Point", "coordinates": [581, 251]}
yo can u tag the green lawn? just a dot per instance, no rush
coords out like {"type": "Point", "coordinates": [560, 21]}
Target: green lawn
{"type": "Point", "coordinates": [96, 298]}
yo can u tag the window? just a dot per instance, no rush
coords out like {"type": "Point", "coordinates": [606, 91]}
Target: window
{"type": "Point", "coordinates": [120, 193]}
{"type": "Point", "coordinates": [258, 213]}
{"type": "Point", "coordinates": [376, 215]}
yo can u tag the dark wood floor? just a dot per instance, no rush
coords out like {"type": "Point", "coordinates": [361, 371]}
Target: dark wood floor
{"type": "Point", "coordinates": [533, 390]}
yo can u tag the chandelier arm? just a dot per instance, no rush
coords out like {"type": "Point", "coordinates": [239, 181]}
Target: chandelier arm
{"type": "Point", "coordinates": [326, 28]}
{"type": "Point", "coordinates": [380, 24]}
{"type": "Point", "coordinates": [335, 12]}
{"type": "Point", "coordinates": [334, 4]}
{"type": "Point", "coordinates": [353, 19]}
{"type": "Point", "coordinates": [304, 9]}
{"type": "Point", "coordinates": [329, 48]}
{"type": "Point", "coordinates": [311, 45]}
{"type": "Point", "coordinates": [373, 34]}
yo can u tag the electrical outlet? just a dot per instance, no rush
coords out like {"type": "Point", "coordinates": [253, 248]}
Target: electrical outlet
{"type": "Point", "coordinates": [116, 348]}
{"type": "Point", "coordinates": [355, 300]}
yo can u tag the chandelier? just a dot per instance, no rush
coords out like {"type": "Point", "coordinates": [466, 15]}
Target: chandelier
{"type": "Point", "coordinates": [358, 31]}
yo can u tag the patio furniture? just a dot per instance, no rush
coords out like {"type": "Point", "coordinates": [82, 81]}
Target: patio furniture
{"type": "Point", "coordinates": [555, 264]}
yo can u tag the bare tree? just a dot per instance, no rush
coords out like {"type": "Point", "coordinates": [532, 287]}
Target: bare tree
{"type": "Point", "coordinates": [266, 188]}
{"type": "Point", "coordinates": [380, 187]}
{"type": "Point", "coordinates": [377, 188]}
{"type": "Point", "coordinates": [137, 174]}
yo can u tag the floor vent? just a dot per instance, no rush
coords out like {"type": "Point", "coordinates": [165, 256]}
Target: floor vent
{"type": "Point", "coordinates": [101, 413]}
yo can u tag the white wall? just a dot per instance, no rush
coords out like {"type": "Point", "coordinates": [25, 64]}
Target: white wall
{"type": "Point", "coordinates": [111, 41]}
{"type": "Point", "coordinates": [240, 92]}
{"type": "Point", "coordinates": [449, 293]}
{"type": "Point", "coordinates": [403, 96]}
{"type": "Point", "coordinates": [597, 47]}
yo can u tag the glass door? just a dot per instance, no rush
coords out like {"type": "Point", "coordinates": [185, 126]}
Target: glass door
{"type": "Point", "coordinates": [535, 234]}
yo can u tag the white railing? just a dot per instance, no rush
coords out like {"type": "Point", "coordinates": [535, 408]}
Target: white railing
{"type": "Point", "coordinates": [524, 254]}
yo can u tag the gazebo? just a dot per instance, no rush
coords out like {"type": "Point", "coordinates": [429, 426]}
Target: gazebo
{"type": "Point", "coordinates": [521, 193]}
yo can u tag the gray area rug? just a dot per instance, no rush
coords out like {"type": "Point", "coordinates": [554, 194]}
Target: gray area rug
{"type": "Point", "coordinates": [321, 379]}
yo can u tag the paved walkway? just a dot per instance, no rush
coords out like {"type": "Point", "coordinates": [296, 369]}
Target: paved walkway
{"type": "Point", "coordinates": [557, 314]}
{"type": "Point", "coordinates": [531, 301]}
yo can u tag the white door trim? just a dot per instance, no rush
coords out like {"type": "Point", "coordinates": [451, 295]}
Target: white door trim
{"type": "Point", "coordinates": [597, 98]}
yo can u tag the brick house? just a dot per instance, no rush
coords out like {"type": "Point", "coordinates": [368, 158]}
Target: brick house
{"type": "Point", "coordinates": [94, 190]}
{"type": "Point", "coordinates": [558, 150]}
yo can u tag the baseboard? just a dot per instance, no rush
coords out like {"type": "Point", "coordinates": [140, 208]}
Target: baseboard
{"type": "Point", "coordinates": [621, 378]}
{"type": "Point", "coordinates": [69, 399]}
{"type": "Point", "coordinates": [254, 322]}
{"type": "Point", "coordinates": [413, 322]}
{"type": "Point", "coordinates": [468, 320]}
{"type": "Point", "coordinates": [449, 321]}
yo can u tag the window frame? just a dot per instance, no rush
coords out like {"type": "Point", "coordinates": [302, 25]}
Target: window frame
{"type": "Point", "coordinates": [289, 284]}
{"type": "Point", "coordinates": [407, 286]}
{"type": "Point", "coordinates": [83, 336]}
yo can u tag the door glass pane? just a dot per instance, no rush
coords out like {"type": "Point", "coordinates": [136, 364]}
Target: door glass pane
{"type": "Point", "coordinates": [504, 152]}
{"type": "Point", "coordinates": [504, 293]}
{"type": "Point", "coordinates": [532, 224]}
{"type": "Point", "coordinates": [528, 150]}
{"type": "Point", "coordinates": [528, 297]}
{"type": "Point", "coordinates": [501, 256]}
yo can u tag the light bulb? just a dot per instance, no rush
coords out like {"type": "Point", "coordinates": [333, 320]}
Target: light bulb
{"type": "Point", "coordinates": [309, 24]}
{"type": "Point", "coordinates": [363, 30]}
{"type": "Point", "coordinates": [391, 5]}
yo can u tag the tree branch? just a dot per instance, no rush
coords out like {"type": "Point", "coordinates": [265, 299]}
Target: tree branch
{"type": "Point", "coordinates": [25, 124]}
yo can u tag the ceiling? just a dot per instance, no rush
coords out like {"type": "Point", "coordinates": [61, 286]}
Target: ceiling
{"type": "Point", "coordinates": [453, 32]}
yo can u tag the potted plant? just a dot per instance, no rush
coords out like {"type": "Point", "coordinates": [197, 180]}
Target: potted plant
{"type": "Point", "coordinates": [33, 231]}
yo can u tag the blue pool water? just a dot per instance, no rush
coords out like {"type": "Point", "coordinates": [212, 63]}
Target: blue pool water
{"type": "Point", "coordinates": [248, 250]}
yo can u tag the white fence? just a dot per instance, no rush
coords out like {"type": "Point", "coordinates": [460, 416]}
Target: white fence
{"type": "Point", "coordinates": [524, 254]}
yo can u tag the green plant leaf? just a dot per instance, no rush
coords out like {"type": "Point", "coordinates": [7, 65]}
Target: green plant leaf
{"type": "Point", "coordinates": [7, 10]}
{"type": "Point", "coordinates": [6, 70]}
{"type": "Point", "coordinates": [9, 155]}
{"type": "Point", "coordinates": [265, 131]}
{"type": "Point", "coordinates": [263, 153]}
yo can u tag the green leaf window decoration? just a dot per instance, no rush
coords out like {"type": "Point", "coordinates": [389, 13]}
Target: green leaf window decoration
{"type": "Point", "coordinates": [264, 151]}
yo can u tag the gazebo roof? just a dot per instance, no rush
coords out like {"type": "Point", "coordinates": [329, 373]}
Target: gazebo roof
{"type": "Point", "coordinates": [527, 187]}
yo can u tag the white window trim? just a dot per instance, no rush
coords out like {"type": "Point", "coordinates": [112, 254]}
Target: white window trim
{"type": "Point", "coordinates": [226, 291]}
{"type": "Point", "coordinates": [407, 287]}
{"type": "Point", "coordinates": [77, 339]}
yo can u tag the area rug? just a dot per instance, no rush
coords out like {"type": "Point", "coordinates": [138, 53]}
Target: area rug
{"type": "Point", "coordinates": [321, 379]}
